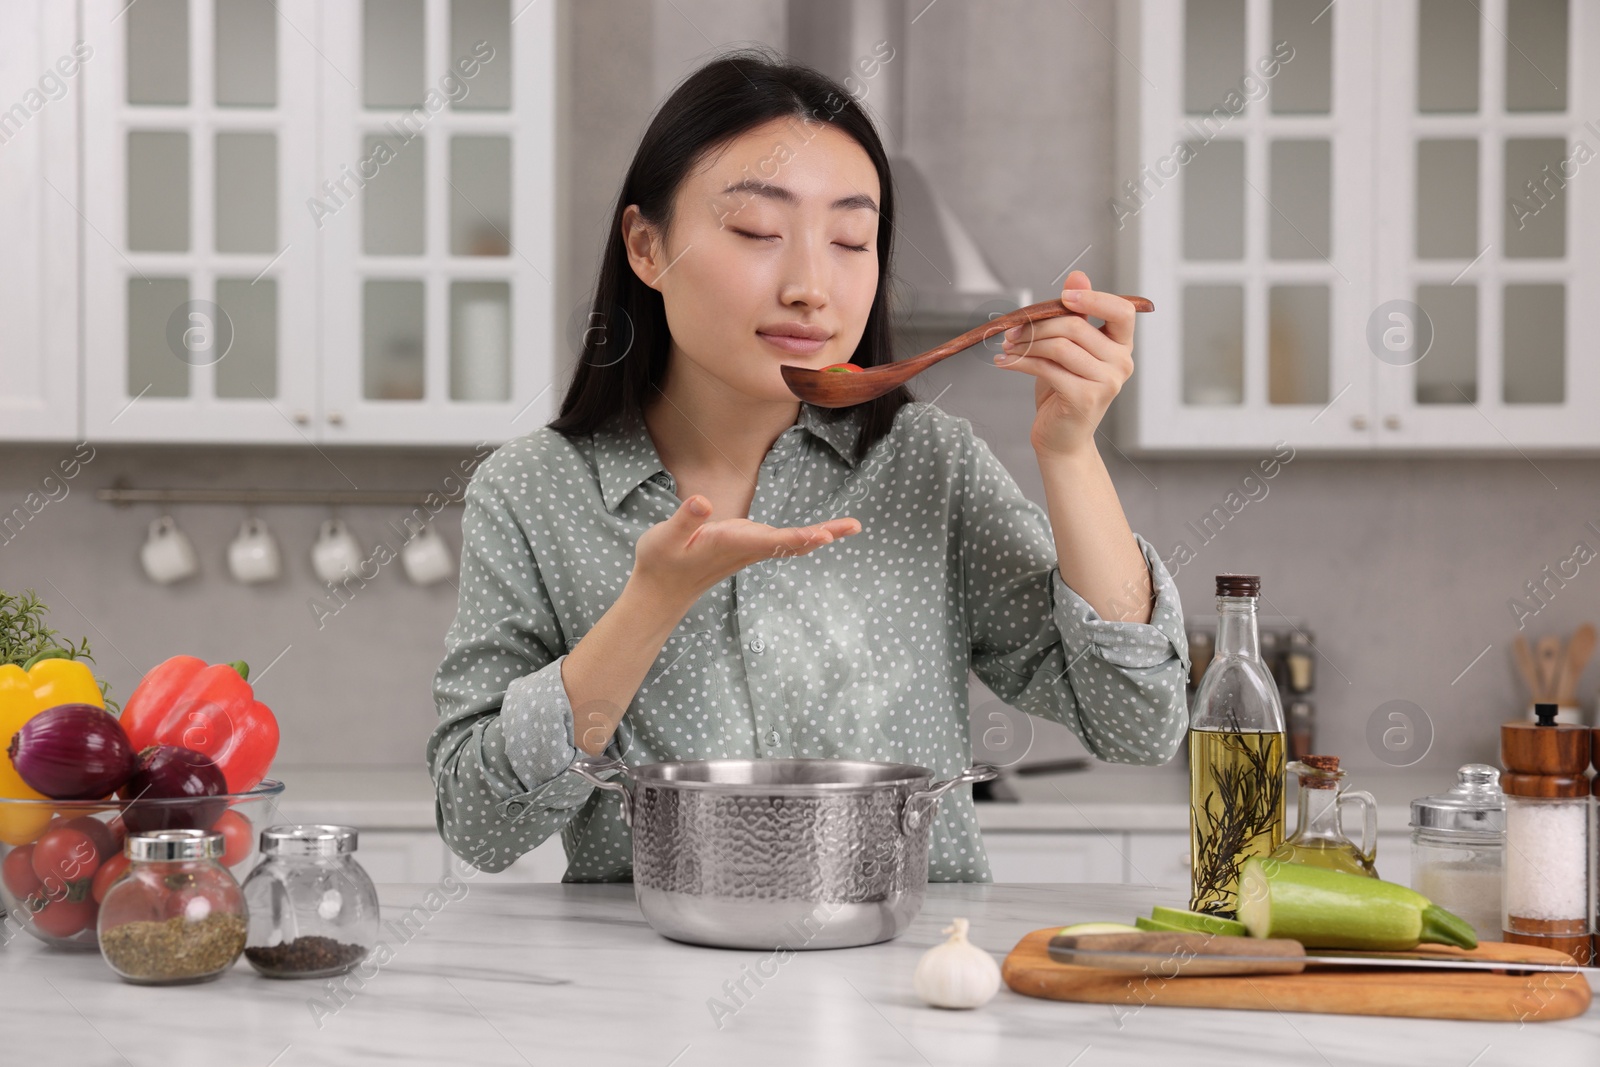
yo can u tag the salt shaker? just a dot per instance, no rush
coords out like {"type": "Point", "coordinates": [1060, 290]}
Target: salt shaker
{"type": "Point", "coordinates": [1546, 894]}
{"type": "Point", "coordinates": [1457, 844]}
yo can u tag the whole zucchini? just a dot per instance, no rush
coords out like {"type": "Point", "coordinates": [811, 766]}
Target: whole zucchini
{"type": "Point", "coordinates": [1323, 908]}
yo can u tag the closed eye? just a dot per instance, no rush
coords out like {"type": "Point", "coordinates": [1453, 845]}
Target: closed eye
{"type": "Point", "coordinates": [774, 237]}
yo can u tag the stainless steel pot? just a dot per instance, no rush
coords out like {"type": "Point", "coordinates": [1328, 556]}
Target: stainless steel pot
{"type": "Point", "coordinates": [778, 854]}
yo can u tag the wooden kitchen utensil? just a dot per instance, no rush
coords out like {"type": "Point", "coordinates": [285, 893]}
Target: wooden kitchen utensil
{"type": "Point", "coordinates": [1029, 970]}
{"type": "Point", "coordinates": [1579, 649]}
{"type": "Point", "coordinates": [1548, 652]}
{"type": "Point", "coordinates": [830, 389]}
{"type": "Point", "coordinates": [1527, 667]}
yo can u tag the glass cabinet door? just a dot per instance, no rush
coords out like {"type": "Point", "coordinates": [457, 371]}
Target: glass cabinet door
{"type": "Point", "coordinates": [200, 263]}
{"type": "Point", "coordinates": [1485, 140]}
{"type": "Point", "coordinates": [436, 216]}
{"type": "Point", "coordinates": [1249, 190]}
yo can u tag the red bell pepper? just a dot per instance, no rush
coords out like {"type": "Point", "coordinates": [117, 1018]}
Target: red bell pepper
{"type": "Point", "coordinates": [211, 710]}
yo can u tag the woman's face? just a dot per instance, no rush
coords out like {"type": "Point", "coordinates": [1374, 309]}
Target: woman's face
{"type": "Point", "coordinates": [773, 235]}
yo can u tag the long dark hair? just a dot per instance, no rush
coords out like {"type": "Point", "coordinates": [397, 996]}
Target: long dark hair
{"type": "Point", "coordinates": [625, 345]}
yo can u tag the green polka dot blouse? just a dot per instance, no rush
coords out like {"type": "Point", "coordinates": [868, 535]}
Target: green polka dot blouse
{"type": "Point", "coordinates": [859, 650]}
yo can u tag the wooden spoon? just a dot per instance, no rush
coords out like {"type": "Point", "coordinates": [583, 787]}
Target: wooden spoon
{"type": "Point", "coordinates": [1579, 649]}
{"type": "Point", "coordinates": [835, 389]}
{"type": "Point", "coordinates": [1548, 649]}
{"type": "Point", "coordinates": [1526, 667]}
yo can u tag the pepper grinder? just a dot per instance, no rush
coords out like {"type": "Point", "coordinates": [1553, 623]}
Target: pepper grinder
{"type": "Point", "coordinates": [1545, 898]}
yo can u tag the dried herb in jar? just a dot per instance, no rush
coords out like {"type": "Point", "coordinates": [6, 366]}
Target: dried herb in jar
{"type": "Point", "coordinates": [175, 949]}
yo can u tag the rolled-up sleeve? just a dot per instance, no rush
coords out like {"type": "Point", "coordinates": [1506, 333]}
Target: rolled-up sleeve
{"type": "Point", "coordinates": [1118, 685]}
{"type": "Point", "coordinates": [499, 754]}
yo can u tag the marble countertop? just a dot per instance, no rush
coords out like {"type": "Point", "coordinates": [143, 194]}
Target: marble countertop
{"type": "Point", "coordinates": [493, 974]}
{"type": "Point", "coordinates": [1106, 798]}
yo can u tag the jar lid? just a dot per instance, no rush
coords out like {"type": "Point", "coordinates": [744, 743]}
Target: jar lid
{"type": "Point", "coordinates": [308, 839]}
{"type": "Point", "coordinates": [1239, 585]}
{"type": "Point", "coordinates": [1545, 747]}
{"type": "Point", "coordinates": [1474, 805]}
{"type": "Point", "coordinates": [164, 845]}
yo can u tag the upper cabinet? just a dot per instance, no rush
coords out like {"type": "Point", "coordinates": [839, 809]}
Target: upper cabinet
{"type": "Point", "coordinates": [1360, 224]}
{"type": "Point", "coordinates": [326, 222]}
{"type": "Point", "coordinates": [44, 64]}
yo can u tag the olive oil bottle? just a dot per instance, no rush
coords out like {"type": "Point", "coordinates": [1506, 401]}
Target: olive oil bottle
{"type": "Point", "coordinates": [1236, 755]}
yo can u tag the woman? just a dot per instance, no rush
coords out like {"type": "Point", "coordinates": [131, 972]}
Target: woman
{"type": "Point", "coordinates": [689, 563]}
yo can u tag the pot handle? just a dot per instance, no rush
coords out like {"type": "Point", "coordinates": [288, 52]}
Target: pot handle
{"type": "Point", "coordinates": [591, 767]}
{"type": "Point", "coordinates": [924, 802]}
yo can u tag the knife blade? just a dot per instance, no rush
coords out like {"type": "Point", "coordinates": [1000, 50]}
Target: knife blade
{"type": "Point", "coordinates": [1196, 955]}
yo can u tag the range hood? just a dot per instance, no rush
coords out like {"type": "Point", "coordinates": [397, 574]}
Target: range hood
{"type": "Point", "coordinates": [935, 256]}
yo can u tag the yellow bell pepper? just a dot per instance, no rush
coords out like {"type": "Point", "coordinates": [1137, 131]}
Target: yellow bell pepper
{"type": "Point", "coordinates": [23, 694]}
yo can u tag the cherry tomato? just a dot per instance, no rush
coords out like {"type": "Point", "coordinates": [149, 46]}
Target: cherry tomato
{"type": "Point", "coordinates": [63, 918]}
{"type": "Point", "coordinates": [111, 870]}
{"type": "Point", "coordinates": [64, 855]}
{"type": "Point", "coordinates": [107, 843]}
{"type": "Point", "coordinates": [19, 874]}
{"type": "Point", "coordinates": [238, 837]}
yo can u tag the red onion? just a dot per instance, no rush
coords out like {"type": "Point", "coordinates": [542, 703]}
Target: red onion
{"type": "Point", "coordinates": [72, 752]}
{"type": "Point", "coordinates": [166, 772]}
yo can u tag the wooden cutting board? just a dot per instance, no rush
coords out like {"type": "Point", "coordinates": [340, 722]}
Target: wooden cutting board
{"type": "Point", "coordinates": [1539, 997]}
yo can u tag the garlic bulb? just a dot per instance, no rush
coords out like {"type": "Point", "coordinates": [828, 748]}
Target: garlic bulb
{"type": "Point", "coordinates": [956, 974]}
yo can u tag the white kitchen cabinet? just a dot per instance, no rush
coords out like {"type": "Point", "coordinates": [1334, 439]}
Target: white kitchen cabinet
{"type": "Point", "coordinates": [1055, 857]}
{"type": "Point", "coordinates": [434, 201]}
{"type": "Point", "coordinates": [402, 855]}
{"type": "Point", "coordinates": [1160, 858]}
{"type": "Point", "coordinates": [1360, 225]}
{"type": "Point", "coordinates": [45, 67]}
{"type": "Point", "coordinates": [318, 222]}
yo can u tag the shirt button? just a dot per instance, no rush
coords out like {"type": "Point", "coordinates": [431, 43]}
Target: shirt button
{"type": "Point", "coordinates": [758, 645]}
{"type": "Point", "coordinates": [772, 737]}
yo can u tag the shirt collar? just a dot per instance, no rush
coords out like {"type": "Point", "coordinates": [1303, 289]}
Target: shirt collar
{"type": "Point", "coordinates": [625, 457]}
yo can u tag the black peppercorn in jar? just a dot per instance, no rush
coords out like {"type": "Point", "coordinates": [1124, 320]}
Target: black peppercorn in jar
{"type": "Point", "coordinates": [313, 909]}
{"type": "Point", "coordinates": [177, 915]}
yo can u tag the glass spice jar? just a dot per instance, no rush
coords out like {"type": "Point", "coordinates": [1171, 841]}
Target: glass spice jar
{"type": "Point", "coordinates": [313, 909]}
{"type": "Point", "coordinates": [177, 915]}
{"type": "Point", "coordinates": [1457, 845]}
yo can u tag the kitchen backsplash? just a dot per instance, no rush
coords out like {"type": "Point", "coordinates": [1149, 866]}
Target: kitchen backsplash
{"type": "Point", "coordinates": [1406, 566]}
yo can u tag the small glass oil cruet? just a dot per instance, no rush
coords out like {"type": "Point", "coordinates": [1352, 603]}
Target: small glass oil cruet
{"type": "Point", "coordinates": [1319, 839]}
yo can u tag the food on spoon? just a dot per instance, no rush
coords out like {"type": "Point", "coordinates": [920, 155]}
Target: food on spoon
{"type": "Point", "coordinates": [166, 772]}
{"type": "Point", "coordinates": [1196, 922]}
{"type": "Point", "coordinates": [72, 752]}
{"type": "Point", "coordinates": [1323, 908]}
{"type": "Point", "coordinates": [842, 368]}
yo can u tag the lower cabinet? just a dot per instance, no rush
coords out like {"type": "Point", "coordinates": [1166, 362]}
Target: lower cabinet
{"type": "Point", "coordinates": [1021, 856]}
{"type": "Point", "coordinates": [1142, 857]}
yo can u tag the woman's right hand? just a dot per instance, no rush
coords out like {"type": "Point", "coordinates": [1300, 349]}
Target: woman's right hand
{"type": "Point", "coordinates": [686, 555]}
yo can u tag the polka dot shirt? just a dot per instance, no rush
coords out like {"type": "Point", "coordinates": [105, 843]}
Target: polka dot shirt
{"type": "Point", "coordinates": [859, 650]}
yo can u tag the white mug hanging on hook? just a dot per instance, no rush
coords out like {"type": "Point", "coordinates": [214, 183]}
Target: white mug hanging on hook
{"type": "Point", "coordinates": [337, 553]}
{"type": "Point", "coordinates": [426, 557]}
{"type": "Point", "coordinates": [253, 555]}
{"type": "Point", "coordinates": [167, 554]}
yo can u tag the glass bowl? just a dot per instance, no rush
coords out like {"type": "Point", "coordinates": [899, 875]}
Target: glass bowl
{"type": "Point", "coordinates": [60, 905]}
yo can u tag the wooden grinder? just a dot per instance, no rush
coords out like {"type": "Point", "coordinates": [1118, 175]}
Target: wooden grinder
{"type": "Point", "coordinates": [1546, 760]}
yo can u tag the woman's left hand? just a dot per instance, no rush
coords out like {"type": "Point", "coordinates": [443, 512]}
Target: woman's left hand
{"type": "Point", "coordinates": [1077, 368]}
